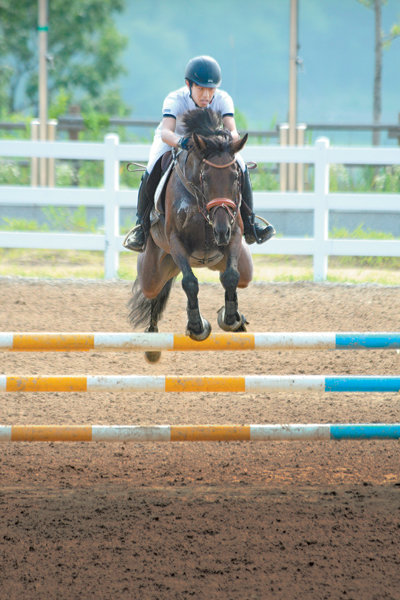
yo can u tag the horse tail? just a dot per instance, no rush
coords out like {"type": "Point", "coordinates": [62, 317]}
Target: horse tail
{"type": "Point", "coordinates": [144, 311]}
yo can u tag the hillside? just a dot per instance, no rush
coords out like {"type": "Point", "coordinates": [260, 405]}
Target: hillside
{"type": "Point", "coordinates": [251, 43]}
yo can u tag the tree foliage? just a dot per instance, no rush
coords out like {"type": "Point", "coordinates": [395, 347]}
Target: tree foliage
{"type": "Point", "coordinates": [84, 54]}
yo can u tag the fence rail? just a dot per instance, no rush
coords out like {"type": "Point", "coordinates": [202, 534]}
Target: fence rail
{"type": "Point", "coordinates": [111, 198]}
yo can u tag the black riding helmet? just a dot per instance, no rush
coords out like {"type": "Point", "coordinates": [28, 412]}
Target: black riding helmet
{"type": "Point", "coordinates": [204, 71]}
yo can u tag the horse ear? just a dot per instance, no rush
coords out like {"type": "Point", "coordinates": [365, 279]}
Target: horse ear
{"type": "Point", "coordinates": [199, 142]}
{"type": "Point", "coordinates": [238, 145]}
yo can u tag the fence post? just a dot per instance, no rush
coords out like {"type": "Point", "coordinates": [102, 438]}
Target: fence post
{"type": "Point", "coordinates": [283, 167]}
{"type": "Point", "coordinates": [51, 168]}
{"type": "Point", "coordinates": [321, 212]}
{"type": "Point", "coordinates": [111, 209]}
{"type": "Point", "coordinates": [300, 167]}
{"type": "Point", "coordinates": [34, 159]}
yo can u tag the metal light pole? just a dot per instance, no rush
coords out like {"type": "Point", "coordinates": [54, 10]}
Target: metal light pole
{"type": "Point", "coordinates": [293, 86]}
{"type": "Point", "coordinates": [42, 34]}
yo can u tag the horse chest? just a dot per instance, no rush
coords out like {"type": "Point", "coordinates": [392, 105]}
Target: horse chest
{"type": "Point", "coordinates": [204, 251]}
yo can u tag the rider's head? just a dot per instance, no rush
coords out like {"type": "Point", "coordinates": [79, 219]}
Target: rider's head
{"type": "Point", "coordinates": [202, 76]}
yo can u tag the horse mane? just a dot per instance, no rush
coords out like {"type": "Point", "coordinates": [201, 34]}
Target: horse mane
{"type": "Point", "coordinates": [208, 123]}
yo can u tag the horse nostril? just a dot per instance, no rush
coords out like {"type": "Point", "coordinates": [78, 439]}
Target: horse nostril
{"type": "Point", "coordinates": [222, 237]}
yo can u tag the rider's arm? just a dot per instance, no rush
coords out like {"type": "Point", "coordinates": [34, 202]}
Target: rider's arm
{"type": "Point", "coordinates": [229, 123]}
{"type": "Point", "coordinates": [168, 134]}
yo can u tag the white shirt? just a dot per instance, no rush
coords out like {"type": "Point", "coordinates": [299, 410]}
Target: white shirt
{"type": "Point", "coordinates": [175, 105]}
{"type": "Point", "coordinates": [179, 102]}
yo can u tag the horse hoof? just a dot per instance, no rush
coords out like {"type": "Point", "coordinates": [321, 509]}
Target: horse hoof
{"type": "Point", "coordinates": [199, 337]}
{"type": "Point", "coordinates": [152, 357]}
{"type": "Point", "coordinates": [238, 325]}
{"type": "Point", "coordinates": [242, 326]}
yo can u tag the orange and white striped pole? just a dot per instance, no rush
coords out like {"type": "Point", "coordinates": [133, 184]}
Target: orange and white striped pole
{"type": "Point", "coordinates": [198, 433]}
{"type": "Point", "coordinates": [120, 341]}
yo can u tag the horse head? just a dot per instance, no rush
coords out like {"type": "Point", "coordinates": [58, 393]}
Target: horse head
{"type": "Point", "coordinates": [216, 172]}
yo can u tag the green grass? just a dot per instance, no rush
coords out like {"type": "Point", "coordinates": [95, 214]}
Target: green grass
{"type": "Point", "coordinates": [67, 264]}
{"type": "Point", "coordinates": [90, 265]}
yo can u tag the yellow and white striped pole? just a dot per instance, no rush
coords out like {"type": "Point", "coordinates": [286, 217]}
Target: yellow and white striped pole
{"type": "Point", "coordinates": [120, 341]}
{"type": "Point", "coordinates": [203, 383]}
{"type": "Point", "coordinates": [198, 433]}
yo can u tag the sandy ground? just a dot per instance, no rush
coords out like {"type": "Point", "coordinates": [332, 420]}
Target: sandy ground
{"type": "Point", "coordinates": [200, 520]}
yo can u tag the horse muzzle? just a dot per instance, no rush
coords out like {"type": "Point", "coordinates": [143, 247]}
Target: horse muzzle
{"type": "Point", "coordinates": [222, 220]}
{"type": "Point", "coordinates": [222, 236]}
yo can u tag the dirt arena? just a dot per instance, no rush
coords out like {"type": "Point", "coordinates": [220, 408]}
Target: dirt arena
{"type": "Point", "coordinates": [200, 520]}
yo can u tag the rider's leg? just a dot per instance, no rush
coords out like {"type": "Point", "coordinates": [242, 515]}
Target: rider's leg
{"type": "Point", "coordinates": [253, 231]}
{"type": "Point", "coordinates": [136, 239]}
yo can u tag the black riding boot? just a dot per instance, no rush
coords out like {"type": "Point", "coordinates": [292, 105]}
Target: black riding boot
{"type": "Point", "coordinates": [253, 232]}
{"type": "Point", "coordinates": [136, 239]}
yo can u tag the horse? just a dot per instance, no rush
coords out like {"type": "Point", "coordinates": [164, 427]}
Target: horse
{"type": "Point", "coordinates": [200, 227]}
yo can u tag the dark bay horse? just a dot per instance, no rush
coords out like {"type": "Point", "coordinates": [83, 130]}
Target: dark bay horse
{"type": "Point", "coordinates": [201, 227]}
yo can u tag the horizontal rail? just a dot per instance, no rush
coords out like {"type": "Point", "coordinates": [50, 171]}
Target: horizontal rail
{"type": "Point", "coordinates": [198, 433]}
{"type": "Point", "coordinates": [121, 341]}
{"type": "Point", "coordinates": [205, 383]}
{"type": "Point", "coordinates": [53, 241]}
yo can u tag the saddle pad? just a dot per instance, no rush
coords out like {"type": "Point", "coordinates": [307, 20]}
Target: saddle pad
{"type": "Point", "coordinates": [159, 190]}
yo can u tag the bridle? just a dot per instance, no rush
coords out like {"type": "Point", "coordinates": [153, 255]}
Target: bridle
{"type": "Point", "coordinates": [205, 206]}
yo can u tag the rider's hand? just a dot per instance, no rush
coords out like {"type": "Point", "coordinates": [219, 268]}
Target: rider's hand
{"type": "Point", "coordinates": [184, 143]}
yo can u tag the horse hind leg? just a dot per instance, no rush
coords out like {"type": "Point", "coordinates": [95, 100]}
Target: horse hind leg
{"type": "Point", "coordinates": [152, 356]}
{"type": "Point", "coordinates": [145, 311]}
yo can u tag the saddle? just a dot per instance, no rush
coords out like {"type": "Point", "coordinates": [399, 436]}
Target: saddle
{"type": "Point", "coordinates": [157, 183]}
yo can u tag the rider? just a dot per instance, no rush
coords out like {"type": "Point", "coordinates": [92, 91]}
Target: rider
{"type": "Point", "coordinates": [202, 78]}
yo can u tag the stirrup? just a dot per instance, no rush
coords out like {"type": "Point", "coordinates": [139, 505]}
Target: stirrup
{"type": "Point", "coordinates": [131, 241]}
{"type": "Point", "coordinates": [256, 234]}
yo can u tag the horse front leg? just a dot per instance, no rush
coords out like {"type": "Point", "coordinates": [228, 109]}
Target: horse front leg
{"type": "Point", "coordinates": [198, 328]}
{"type": "Point", "coordinates": [229, 317]}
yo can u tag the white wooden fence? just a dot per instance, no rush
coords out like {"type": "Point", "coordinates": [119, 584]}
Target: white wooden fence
{"type": "Point", "coordinates": [111, 198]}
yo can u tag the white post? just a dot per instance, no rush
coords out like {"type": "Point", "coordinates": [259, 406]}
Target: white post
{"type": "Point", "coordinates": [301, 127]}
{"type": "Point", "coordinates": [111, 209]}
{"type": "Point", "coordinates": [51, 163]}
{"type": "Point", "coordinates": [34, 159]}
{"type": "Point", "coordinates": [321, 212]}
{"type": "Point", "coordinates": [283, 168]}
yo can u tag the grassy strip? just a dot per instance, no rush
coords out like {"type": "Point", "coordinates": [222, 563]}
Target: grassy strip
{"type": "Point", "coordinates": [61, 264]}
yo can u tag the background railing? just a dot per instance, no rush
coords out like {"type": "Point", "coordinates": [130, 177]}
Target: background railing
{"type": "Point", "coordinates": [111, 198]}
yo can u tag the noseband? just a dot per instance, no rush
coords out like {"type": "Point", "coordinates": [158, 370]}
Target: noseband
{"type": "Point", "coordinates": [205, 207]}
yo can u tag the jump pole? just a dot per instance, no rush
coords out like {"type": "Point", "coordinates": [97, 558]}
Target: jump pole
{"type": "Point", "coordinates": [212, 383]}
{"type": "Point", "coordinates": [198, 433]}
{"type": "Point", "coordinates": [110, 341]}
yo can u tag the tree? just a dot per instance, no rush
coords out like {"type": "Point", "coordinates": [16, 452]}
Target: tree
{"type": "Point", "coordinates": [382, 41]}
{"type": "Point", "coordinates": [84, 52]}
